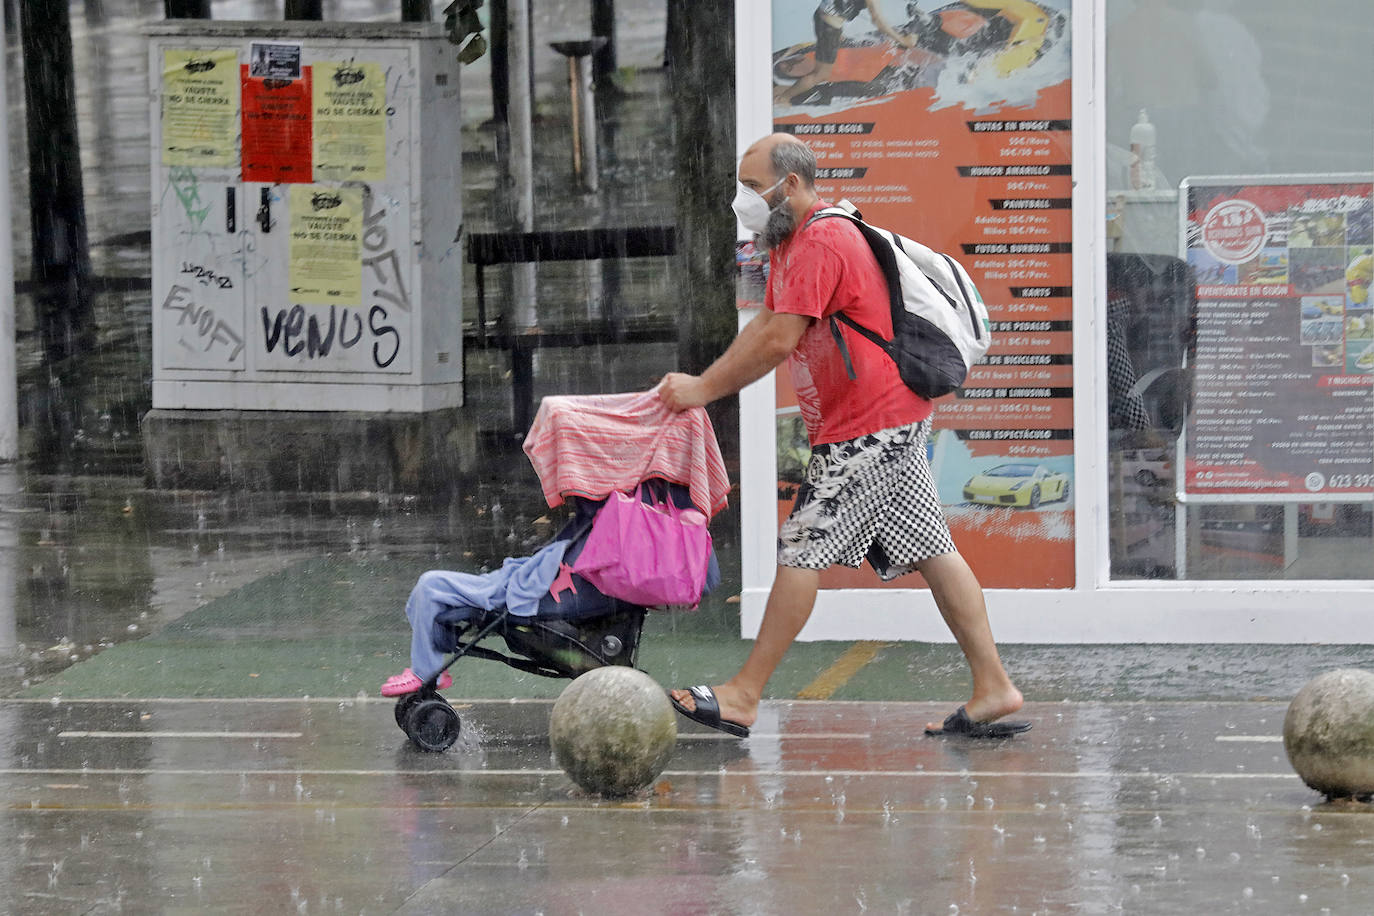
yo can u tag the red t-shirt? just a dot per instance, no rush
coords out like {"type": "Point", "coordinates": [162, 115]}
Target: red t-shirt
{"type": "Point", "coordinates": [821, 269]}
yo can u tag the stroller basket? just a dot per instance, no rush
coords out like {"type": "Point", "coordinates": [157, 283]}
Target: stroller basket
{"type": "Point", "coordinates": [551, 646]}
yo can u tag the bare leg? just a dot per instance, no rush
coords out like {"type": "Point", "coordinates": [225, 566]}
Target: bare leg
{"type": "Point", "coordinates": [960, 600]}
{"type": "Point", "coordinates": [783, 95]}
{"type": "Point", "coordinates": [790, 602]}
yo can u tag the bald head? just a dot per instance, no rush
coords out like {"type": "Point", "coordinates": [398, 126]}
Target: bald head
{"type": "Point", "coordinates": [782, 169]}
{"type": "Point", "coordinates": [784, 155]}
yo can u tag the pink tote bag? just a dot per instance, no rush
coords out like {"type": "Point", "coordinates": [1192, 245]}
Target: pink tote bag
{"type": "Point", "coordinates": [646, 553]}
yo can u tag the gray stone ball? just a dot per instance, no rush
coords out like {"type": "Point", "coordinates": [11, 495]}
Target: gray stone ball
{"type": "Point", "coordinates": [613, 730]}
{"type": "Point", "coordinates": [1329, 733]}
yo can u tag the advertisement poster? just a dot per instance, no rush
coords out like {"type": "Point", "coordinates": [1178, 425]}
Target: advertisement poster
{"type": "Point", "coordinates": [1283, 400]}
{"type": "Point", "coordinates": [325, 251]}
{"type": "Point", "coordinates": [950, 124]}
{"type": "Point", "coordinates": [350, 121]}
{"type": "Point", "coordinates": [276, 121]}
{"type": "Point", "coordinates": [200, 108]}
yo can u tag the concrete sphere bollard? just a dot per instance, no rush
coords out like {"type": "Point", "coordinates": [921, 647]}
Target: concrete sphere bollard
{"type": "Point", "coordinates": [613, 730]}
{"type": "Point", "coordinates": [1329, 733]}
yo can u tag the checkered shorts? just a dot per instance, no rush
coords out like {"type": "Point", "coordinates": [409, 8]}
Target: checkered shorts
{"type": "Point", "coordinates": [867, 498]}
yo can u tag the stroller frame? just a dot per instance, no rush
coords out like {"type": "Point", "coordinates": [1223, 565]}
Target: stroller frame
{"type": "Point", "coordinates": [545, 645]}
{"type": "Point", "coordinates": [554, 648]}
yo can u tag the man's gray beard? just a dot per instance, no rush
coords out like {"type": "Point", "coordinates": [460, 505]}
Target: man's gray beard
{"type": "Point", "coordinates": [781, 224]}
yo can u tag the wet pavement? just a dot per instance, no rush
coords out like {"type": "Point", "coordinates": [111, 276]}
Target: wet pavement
{"type": "Point", "coordinates": [188, 710]}
{"type": "Point", "coordinates": [293, 806]}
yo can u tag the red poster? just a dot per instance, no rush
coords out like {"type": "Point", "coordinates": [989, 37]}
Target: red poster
{"type": "Point", "coordinates": [1284, 358]}
{"type": "Point", "coordinates": [276, 128]}
{"type": "Point", "coordinates": [952, 127]}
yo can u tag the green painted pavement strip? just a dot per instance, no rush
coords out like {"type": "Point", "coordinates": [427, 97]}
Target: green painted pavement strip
{"type": "Point", "coordinates": [335, 627]}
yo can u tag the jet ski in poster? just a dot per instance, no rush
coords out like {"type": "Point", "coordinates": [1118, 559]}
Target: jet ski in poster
{"type": "Point", "coordinates": [977, 53]}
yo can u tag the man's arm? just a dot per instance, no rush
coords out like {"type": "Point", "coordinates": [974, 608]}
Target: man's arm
{"type": "Point", "coordinates": [905, 41]}
{"type": "Point", "coordinates": [760, 347]}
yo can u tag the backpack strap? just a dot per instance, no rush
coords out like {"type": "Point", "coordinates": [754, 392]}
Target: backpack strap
{"type": "Point", "coordinates": [871, 335]}
{"type": "Point", "coordinates": [836, 333]}
{"type": "Point", "coordinates": [887, 262]}
{"type": "Point", "coordinates": [968, 300]}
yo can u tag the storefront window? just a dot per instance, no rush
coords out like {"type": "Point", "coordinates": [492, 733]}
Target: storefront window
{"type": "Point", "coordinates": [1240, 334]}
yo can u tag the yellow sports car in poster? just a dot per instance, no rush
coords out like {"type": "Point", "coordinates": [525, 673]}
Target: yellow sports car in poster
{"type": "Point", "coordinates": [1017, 484]}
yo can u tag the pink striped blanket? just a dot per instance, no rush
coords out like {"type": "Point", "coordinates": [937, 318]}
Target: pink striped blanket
{"type": "Point", "coordinates": [591, 445]}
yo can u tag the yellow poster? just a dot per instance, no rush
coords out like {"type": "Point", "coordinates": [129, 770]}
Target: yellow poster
{"type": "Point", "coordinates": [325, 251]}
{"type": "Point", "coordinates": [200, 108]}
{"type": "Point", "coordinates": [350, 121]}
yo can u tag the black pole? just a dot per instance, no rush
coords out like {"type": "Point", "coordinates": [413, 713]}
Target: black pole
{"type": "Point", "coordinates": [186, 9]}
{"type": "Point", "coordinates": [499, 51]}
{"type": "Point", "coordinates": [417, 11]}
{"type": "Point", "coordinates": [670, 33]}
{"type": "Point", "coordinates": [500, 79]}
{"type": "Point", "coordinates": [304, 9]}
{"type": "Point", "coordinates": [603, 26]}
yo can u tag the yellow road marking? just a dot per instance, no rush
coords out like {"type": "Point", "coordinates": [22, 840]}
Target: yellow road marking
{"type": "Point", "coordinates": [845, 667]}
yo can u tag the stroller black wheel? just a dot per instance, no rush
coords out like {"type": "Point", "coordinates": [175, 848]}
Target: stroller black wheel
{"type": "Point", "coordinates": [432, 724]}
{"type": "Point", "coordinates": [403, 707]}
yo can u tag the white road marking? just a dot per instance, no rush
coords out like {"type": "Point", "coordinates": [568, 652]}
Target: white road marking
{"type": "Point", "coordinates": [171, 734]}
{"type": "Point", "coordinates": [712, 772]}
{"type": "Point", "coordinates": [1254, 739]}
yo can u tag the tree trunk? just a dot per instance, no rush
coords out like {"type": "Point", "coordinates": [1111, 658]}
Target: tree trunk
{"type": "Point", "coordinates": [701, 48]}
{"type": "Point", "coordinates": [61, 266]}
{"type": "Point", "coordinates": [61, 261]}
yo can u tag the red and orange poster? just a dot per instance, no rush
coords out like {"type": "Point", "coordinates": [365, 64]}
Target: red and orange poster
{"type": "Point", "coordinates": [276, 115]}
{"type": "Point", "coordinates": [950, 123]}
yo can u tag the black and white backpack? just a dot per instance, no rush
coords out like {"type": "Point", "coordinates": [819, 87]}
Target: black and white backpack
{"type": "Point", "coordinates": [940, 324]}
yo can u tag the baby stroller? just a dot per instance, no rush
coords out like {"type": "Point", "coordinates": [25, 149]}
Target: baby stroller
{"type": "Point", "coordinates": [575, 628]}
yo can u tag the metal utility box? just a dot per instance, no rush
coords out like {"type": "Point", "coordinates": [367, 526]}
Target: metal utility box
{"type": "Point", "coordinates": [306, 205]}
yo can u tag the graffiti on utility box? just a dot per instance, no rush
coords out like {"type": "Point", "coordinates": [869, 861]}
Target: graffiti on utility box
{"type": "Point", "coordinates": [199, 328]}
{"type": "Point", "coordinates": [305, 336]}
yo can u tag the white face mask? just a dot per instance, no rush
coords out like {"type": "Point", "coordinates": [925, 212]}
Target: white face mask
{"type": "Point", "coordinates": [751, 209]}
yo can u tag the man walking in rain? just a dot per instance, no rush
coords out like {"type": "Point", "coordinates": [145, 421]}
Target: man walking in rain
{"type": "Point", "coordinates": [868, 492]}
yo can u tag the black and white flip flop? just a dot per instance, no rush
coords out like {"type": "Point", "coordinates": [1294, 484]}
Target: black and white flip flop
{"type": "Point", "coordinates": [708, 712]}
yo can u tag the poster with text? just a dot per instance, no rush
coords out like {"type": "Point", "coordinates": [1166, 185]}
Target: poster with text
{"type": "Point", "coordinates": [325, 250]}
{"type": "Point", "coordinates": [276, 121]}
{"type": "Point", "coordinates": [200, 108]}
{"type": "Point", "coordinates": [1283, 399]}
{"type": "Point", "coordinates": [950, 123]}
{"type": "Point", "coordinates": [350, 121]}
